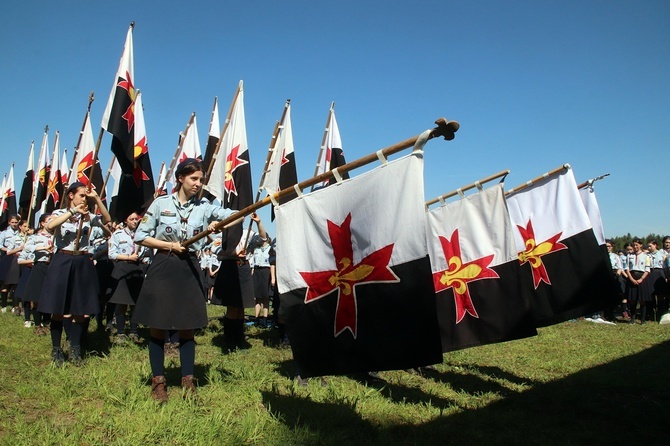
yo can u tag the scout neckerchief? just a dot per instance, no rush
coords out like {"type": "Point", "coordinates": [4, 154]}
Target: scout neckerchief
{"type": "Point", "coordinates": [188, 208]}
{"type": "Point", "coordinates": [131, 234]}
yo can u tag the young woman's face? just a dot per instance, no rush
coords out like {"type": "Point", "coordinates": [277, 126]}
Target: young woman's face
{"type": "Point", "coordinates": [132, 221]}
{"type": "Point", "coordinates": [191, 183]}
{"type": "Point", "coordinates": [24, 227]}
{"type": "Point", "coordinates": [78, 196]}
{"type": "Point", "coordinates": [637, 246]}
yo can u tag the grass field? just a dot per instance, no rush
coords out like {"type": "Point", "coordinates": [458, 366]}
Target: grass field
{"type": "Point", "coordinates": [576, 383]}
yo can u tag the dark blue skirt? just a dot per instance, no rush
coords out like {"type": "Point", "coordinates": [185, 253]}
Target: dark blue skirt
{"type": "Point", "coordinates": [126, 283]}
{"type": "Point", "coordinates": [70, 286]}
{"type": "Point", "coordinates": [234, 285]}
{"type": "Point", "coordinates": [9, 269]}
{"type": "Point", "coordinates": [35, 281]}
{"type": "Point", "coordinates": [21, 287]}
{"type": "Point", "coordinates": [172, 295]}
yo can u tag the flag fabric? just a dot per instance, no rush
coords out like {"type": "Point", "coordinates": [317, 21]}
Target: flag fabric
{"type": "Point", "coordinates": [561, 261]}
{"type": "Point", "coordinates": [355, 276]}
{"type": "Point", "coordinates": [64, 170]}
{"type": "Point", "coordinates": [136, 190]}
{"type": "Point", "coordinates": [28, 183]}
{"type": "Point", "coordinates": [41, 179]}
{"type": "Point", "coordinates": [476, 272]}
{"type": "Point", "coordinates": [54, 187]}
{"type": "Point", "coordinates": [588, 196]}
{"type": "Point", "coordinates": [213, 135]}
{"type": "Point", "coordinates": [189, 145]}
{"type": "Point", "coordinates": [4, 220]}
{"type": "Point", "coordinates": [87, 170]}
{"type": "Point", "coordinates": [331, 155]}
{"type": "Point", "coordinates": [282, 172]}
{"type": "Point", "coordinates": [230, 179]}
{"type": "Point", "coordinates": [116, 174]}
{"type": "Point", "coordinates": [8, 205]}
{"type": "Point", "coordinates": [119, 115]}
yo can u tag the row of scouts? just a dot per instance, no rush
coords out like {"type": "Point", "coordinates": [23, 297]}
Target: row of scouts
{"type": "Point", "coordinates": [642, 274]}
{"type": "Point", "coordinates": [150, 270]}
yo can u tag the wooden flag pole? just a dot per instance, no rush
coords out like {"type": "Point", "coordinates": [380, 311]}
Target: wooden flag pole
{"type": "Point", "coordinates": [177, 151]}
{"type": "Point", "coordinates": [446, 129]}
{"type": "Point", "coordinates": [160, 175]}
{"type": "Point", "coordinates": [323, 140]}
{"type": "Point", "coordinates": [536, 179]}
{"type": "Point", "coordinates": [223, 133]}
{"type": "Point", "coordinates": [591, 181]}
{"type": "Point", "coordinates": [91, 98]}
{"type": "Point", "coordinates": [478, 183]}
{"type": "Point", "coordinates": [109, 172]}
{"type": "Point", "coordinates": [273, 142]}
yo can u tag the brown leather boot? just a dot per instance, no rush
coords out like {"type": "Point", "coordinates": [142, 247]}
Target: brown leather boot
{"type": "Point", "coordinates": [159, 389]}
{"type": "Point", "coordinates": [188, 384]}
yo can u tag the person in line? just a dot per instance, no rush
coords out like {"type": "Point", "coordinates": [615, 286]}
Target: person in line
{"type": "Point", "coordinates": [172, 296]}
{"type": "Point", "coordinates": [638, 268]}
{"type": "Point", "coordinates": [12, 240]}
{"type": "Point", "coordinates": [36, 256]}
{"type": "Point", "coordinates": [259, 247]}
{"type": "Point", "coordinates": [71, 284]}
{"type": "Point", "coordinates": [127, 276]}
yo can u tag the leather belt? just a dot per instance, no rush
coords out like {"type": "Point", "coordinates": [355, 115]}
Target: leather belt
{"type": "Point", "coordinates": [73, 253]}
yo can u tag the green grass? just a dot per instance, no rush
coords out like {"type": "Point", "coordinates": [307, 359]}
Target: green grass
{"type": "Point", "coordinates": [576, 383]}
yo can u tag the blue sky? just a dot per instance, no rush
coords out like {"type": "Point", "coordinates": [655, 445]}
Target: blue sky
{"type": "Point", "coordinates": [533, 84]}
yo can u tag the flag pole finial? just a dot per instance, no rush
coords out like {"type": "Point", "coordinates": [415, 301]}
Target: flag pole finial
{"type": "Point", "coordinates": [46, 128]}
{"type": "Point", "coordinates": [132, 24]}
{"type": "Point", "coordinates": [445, 128]}
{"type": "Point", "coordinates": [91, 98]}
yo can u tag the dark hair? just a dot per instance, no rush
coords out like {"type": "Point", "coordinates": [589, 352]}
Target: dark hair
{"type": "Point", "coordinates": [74, 186]}
{"type": "Point", "coordinates": [187, 167]}
{"type": "Point", "coordinates": [666, 238]}
{"type": "Point", "coordinates": [637, 240]}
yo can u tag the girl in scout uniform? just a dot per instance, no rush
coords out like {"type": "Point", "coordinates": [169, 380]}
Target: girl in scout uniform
{"type": "Point", "coordinates": [656, 279]}
{"type": "Point", "coordinates": [36, 254]}
{"type": "Point", "coordinates": [638, 268]}
{"type": "Point", "coordinates": [127, 276]}
{"type": "Point", "coordinates": [259, 246]}
{"type": "Point", "coordinates": [11, 244]}
{"type": "Point", "coordinates": [71, 284]}
{"type": "Point", "coordinates": [172, 296]}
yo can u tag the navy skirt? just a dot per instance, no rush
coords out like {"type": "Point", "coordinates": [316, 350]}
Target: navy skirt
{"type": "Point", "coordinates": [172, 295]}
{"type": "Point", "coordinates": [21, 287]}
{"type": "Point", "coordinates": [70, 286]}
{"type": "Point", "coordinates": [35, 281]}
{"type": "Point", "coordinates": [9, 269]}
{"type": "Point", "coordinates": [234, 285]}
{"type": "Point", "coordinates": [126, 283]}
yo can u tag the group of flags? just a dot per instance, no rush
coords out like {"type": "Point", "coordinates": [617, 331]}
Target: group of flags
{"type": "Point", "coordinates": [372, 279]}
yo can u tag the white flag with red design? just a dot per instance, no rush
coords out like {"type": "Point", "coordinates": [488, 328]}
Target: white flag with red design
{"type": "Point", "coordinates": [354, 274]}
{"type": "Point", "coordinates": [563, 267]}
{"type": "Point", "coordinates": [476, 272]}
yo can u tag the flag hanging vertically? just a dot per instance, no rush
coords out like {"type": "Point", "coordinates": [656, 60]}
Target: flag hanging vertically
{"type": "Point", "coordinates": [55, 187]}
{"type": "Point", "coordinates": [27, 191]}
{"type": "Point", "coordinates": [331, 154]}
{"type": "Point", "coordinates": [160, 184]}
{"type": "Point", "coordinates": [189, 146]}
{"type": "Point", "coordinates": [136, 190]}
{"type": "Point", "coordinates": [230, 178]}
{"type": "Point", "coordinates": [8, 199]}
{"type": "Point", "coordinates": [84, 160]}
{"type": "Point", "coordinates": [588, 196]}
{"type": "Point", "coordinates": [119, 116]}
{"type": "Point", "coordinates": [212, 135]}
{"type": "Point", "coordinates": [64, 170]}
{"type": "Point", "coordinates": [41, 179]}
{"type": "Point", "coordinates": [353, 268]}
{"type": "Point", "coordinates": [562, 264]}
{"type": "Point", "coordinates": [476, 272]}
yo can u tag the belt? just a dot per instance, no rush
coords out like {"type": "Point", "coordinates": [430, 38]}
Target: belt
{"type": "Point", "coordinates": [73, 253]}
{"type": "Point", "coordinates": [261, 267]}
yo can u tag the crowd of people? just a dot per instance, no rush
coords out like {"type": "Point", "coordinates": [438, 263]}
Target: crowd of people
{"type": "Point", "coordinates": [78, 264]}
{"type": "Point", "coordinates": [642, 276]}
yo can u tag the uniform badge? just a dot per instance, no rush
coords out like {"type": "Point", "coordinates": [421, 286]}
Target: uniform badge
{"type": "Point", "coordinates": [145, 218]}
{"type": "Point", "coordinates": [168, 213]}
{"type": "Point", "coordinates": [168, 229]}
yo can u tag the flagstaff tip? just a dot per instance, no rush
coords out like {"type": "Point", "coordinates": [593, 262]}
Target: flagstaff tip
{"type": "Point", "coordinates": [445, 128]}
{"type": "Point", "coordinates": [132, 24]}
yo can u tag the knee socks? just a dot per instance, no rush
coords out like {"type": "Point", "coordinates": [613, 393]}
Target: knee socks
{"type": "Point", "coordinates": [56, 333]}
{"type": "Point", "coordinates": [187, 356]}
{"type": "Point", "coordinates": [26, 311]}
{"type": "Point", "coordinates": [157, 356]}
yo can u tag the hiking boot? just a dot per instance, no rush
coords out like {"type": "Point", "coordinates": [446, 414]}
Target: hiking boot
{"type": "Point", "coordinates": [134, 337]}
{"type": "Point", "coordinates": [159, 389]}
{"type": "Point", "coordinates": [75, 356]}
{"type": "Point", "coordinates": [28, 324]}
{"type": "Point", "coordinates": [188, 384]}
{"type": "Point", "coordinates": [57, 356]}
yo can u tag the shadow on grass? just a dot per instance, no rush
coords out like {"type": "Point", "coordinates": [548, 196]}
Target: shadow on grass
{"type": "Point", "coordinates": [626, 401]}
